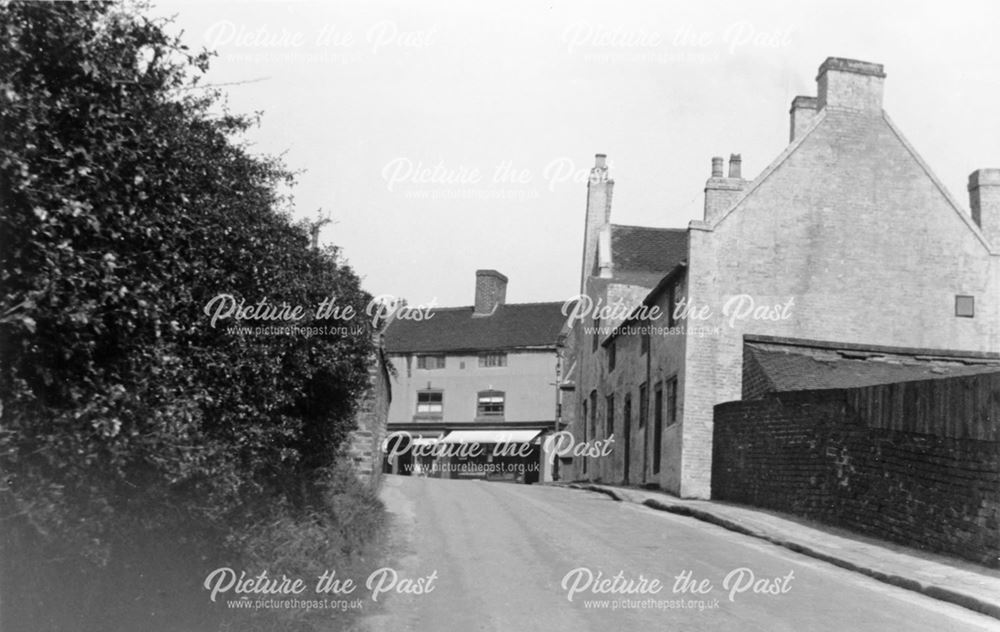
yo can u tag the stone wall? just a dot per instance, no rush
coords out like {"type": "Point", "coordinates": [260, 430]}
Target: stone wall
{"type": "Point", "coordinates": [915, 462]}
{"type": "Point", "coordinates": [363, 446]}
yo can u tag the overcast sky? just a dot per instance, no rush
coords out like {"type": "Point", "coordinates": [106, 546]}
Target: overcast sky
{"type": "Point", "coordinates": [443, 137]}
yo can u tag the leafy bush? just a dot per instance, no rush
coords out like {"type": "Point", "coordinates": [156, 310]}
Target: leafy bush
{"type": "Point", "coordinates": [128, 202]}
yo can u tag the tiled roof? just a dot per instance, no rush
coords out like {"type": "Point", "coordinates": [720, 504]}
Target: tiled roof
{"type": "Point", "coordinates": [455, 329]}
{"type": "Point", "coordinates": [799, 368]}
{"type": "Point", "coordinates": [644, 249]}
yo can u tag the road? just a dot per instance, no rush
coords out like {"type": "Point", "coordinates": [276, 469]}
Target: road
{"type": "Point", "coordinates": [499, 555]}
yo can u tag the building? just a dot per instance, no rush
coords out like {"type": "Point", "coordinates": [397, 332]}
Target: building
{"type": "Point", "coordinates": [484, 375]}
{"type": "Point", "coordinates": [846, 236]}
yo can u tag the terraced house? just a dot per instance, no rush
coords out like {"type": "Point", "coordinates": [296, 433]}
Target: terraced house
{"type": "Point", "coordinates": [846, 239]}
{"type": "Point", "coordinates": [484, 375]}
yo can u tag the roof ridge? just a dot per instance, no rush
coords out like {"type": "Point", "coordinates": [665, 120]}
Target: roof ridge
{"type": "Point", "coordinates": [660, 228]}
{"type": "Point", "coordinates": [472, 307]}
{"type": "Point", "coordinates": [952, 201]}
{"type": "Point", "coordinates": [771, 168]}
{"type": "Point", "coordinates": [834, 345]}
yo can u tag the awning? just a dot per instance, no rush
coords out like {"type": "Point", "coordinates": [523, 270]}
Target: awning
{"type": "Point", "coordinates": [425, 440]}
{"type": "Point", "coordinates": [491, 436]}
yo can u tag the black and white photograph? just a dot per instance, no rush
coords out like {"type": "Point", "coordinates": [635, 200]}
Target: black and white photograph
{"type": "Point", "coordinates": [567, 316]}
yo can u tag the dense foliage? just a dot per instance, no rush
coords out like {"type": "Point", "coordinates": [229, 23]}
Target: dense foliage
{"type": "Point", "coordinates": [128, 202]}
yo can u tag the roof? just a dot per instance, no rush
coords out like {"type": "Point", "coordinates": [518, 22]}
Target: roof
{"type": "Point", "coordinates": [645, 249]}
{"type": "Point", "coordinates": [811, 365]}
{"type": "Point", "coordinates": [454, 329]}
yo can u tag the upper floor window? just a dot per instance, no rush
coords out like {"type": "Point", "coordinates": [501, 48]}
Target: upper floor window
{"type": "Point", "coordinates": [490, 404]}
{"type": "Point", "coordinates": [612, 356]}
{"type": "Point", "coordinates": [965, 306]}
{"type": "Point", "coordinates": [430, 362]}
{"type": "Point", "coordinates": [492, 359]}
{"type": "Point", "coordinates": [609, 415]}
{"type": "Point", "coordinates": [644, 343]}
{"type": "Point", "coordinates": [430, 403]}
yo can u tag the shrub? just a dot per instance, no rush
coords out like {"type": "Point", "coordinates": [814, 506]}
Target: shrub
{"type": "Point", "coordinates": [129, 202]}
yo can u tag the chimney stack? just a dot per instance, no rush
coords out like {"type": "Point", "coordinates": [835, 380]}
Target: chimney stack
{"type": "Point", "coordinates": [491, 292]}
{"type": "Point", "coordinates": [849, 84]}
{"type": "Point", "coordinates": [801, 114]}
{"type": "Point", "coordinates": [735, 166]}
{"type": "Point", "coordinates": [599, 192]}
{"type": "Point", "coordinates": [984, 199]}
{"type": "Point", "coordinates": [722, 192]}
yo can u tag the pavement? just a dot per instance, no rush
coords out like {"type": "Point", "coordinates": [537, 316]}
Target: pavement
{"type": "Point", "coordinates": [509, 557]}
{"type": "Point", "coordinates": [955, 581]}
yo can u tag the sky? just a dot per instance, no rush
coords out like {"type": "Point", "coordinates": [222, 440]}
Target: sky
{"type": "Point", "coordinates": [444, 137]}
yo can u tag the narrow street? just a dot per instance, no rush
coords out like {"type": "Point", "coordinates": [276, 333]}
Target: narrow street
{"type": "Point", "coordinates": [501, 553]}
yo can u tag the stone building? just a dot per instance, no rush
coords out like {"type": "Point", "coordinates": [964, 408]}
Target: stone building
{"type": "Point", "coordinates": [846, 236]}
{"type": "Point", "coordinates": [481, 375]}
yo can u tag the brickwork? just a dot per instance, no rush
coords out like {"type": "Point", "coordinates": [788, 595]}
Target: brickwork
{"type": "Point", "coordinates": [852, 227]}
{"type": "Point", "coordinates": [824, 455]}
{"type": "Point", "coordinates": [363, 446]}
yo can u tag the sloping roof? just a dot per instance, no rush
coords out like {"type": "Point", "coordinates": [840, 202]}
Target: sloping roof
{"type": "Point", "coordinates": [455, 329]}
{"type": "Point", "coordinates": [645, 249]}
{"type": "Point", "coordinates": [853, 126]}
{"type": "Point", "coordinates": [790, 367]}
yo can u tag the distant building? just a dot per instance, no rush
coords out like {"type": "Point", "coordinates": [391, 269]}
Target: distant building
{"type": "Point", "coordinates": [847, 236]}
{"type": "Point", "coordinates": [484, 374]}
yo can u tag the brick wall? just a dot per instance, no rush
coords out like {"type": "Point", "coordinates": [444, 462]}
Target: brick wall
{"type": "Point", "coordinates": [850, 226]}
{"type": "Point", "coordinates": [917, 463]}
{"type": "Point", "coordinates": [364, 442]}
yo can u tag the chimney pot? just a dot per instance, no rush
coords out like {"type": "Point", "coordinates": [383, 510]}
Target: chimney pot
{"type": "Point", "coordinates": [600, 160]}
{"type": "Point", "coordinates": [717, 166]}
{"type": "Point", "coordinates": [735, 166]}
{"type": "Point", "coordinates": [491, 292]}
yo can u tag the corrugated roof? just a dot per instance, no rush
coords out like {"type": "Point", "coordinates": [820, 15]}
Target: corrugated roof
{"type": "Point", "coordinates": [645, 249]}
{"type": "Point", "coordinates": [456, 329]}
{"type": "Point", "coordinates": [791, 368]}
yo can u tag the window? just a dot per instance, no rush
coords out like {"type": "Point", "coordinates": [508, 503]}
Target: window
{"type": "Point", "coordinates": [430, 403]}
{"type": "Point", "coordinates": [644, 343]}
{"type": "Point", "coordinates": [609, 420]}
{"type": "Point", "coordinates": [490, 404]}
{"type": "Point", "coordinates": [593, 344]}
{"type": "Point", "coordinates": [672, 401]}
{"type": "Point", "coordinates": [657, 427]}
{"type": "Point", "coordinates": [643, 405]}
{"type": "Point", "coordinates": [430, 362]}
{"type": "Point", "coordinates": [611, 356]}
{"type": "Point", "coordinates": [492, 359]}
{"type": "Point", "coordinates": [965, 306]}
